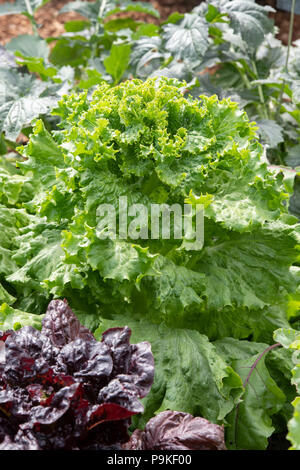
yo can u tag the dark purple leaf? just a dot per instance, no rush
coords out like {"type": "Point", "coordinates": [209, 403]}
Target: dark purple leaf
{"type": "Point", "coordinates": [7, 428]}
{"type": "Point", "coordinates": [133, 359]}
{"type": "Point", "coordinates": [62, 389]}
{"type": "Point", "coordinates": [108, 412]}
{"type": "Point", "coordinates": [123, 392]}
{"type": "Point", "coordinates": [173, 430]}
{"type": "Point", "coordinates": [85, 359]}
{"type": "Point", "coordinates": [108, 435]}
{"type": "Point", "coordinates": [28, 355]}
{"type": "Point", "coordinates": [58, 404]}
{"type": "Point", "coordinates": [62, 326]}
{"type": "Point", "coordinates": [142, 367]}
{"type": "Point", "coordinates": [15, 403]}
{"type": "Point", "coordinates": [117, 339]}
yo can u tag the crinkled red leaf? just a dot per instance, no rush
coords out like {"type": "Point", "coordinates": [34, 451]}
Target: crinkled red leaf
{"type": "Point", "coordinates": [62, 326]}
{"type": "Point", "coordinates": [84, 359]}
{"type": "Point", "coordinates": [62, 389]}
{"type": "Point", "coordinates": [173, 430]}
{"type": "Point", "coordinates": [135, 360]}
{"type": "Point", "coordinates": [28, 354]}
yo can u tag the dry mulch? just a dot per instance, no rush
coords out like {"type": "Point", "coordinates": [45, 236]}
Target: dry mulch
{"type": "Point", "coordinates": [52, 23]}
{"type": "Point", "coordinates": [282, 21]}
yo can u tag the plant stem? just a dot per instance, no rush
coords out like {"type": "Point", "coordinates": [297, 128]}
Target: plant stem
{"type": "Point", "coordinates": [100, 14]}
{"type": "Point", "coordinates": [273, 346]}
{"type": "Point", "coordinates": [31, 15]}
{"type": "Point", "coordinates": [276, 345]}
{"type": "Point", "coordinates": [244, 77]}
{"type": "Point", "coordinates": [291, 29]}
{"type": "Point", "coordinates": [28, 6]}
{"type": "Point", "coordinates": [102, 7]}
{"type": "Point", "coordinates": [260, 92]}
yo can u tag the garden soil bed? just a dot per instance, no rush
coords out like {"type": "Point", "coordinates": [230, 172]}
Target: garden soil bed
{"type": "Point", "coordinates": [52, 23]}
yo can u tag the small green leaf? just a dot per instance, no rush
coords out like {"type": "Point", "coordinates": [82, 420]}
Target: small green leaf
{"type": "Point", "coordinates": [146, 29]}
{"type": "Point", "coordinates": [213, 15]}
{"type": "Point", "coordinates": [271, 132]}
{"type": "Point", "coordinates": [116, 63]}
{"type": "Point", "coordinates": [37, 65]}
{"type": "Point", "coordinates": [174, 18]}
{"type": "Point", "coordinates": [128, 6]}
{"type": "Point", "coordinates": [118, 24]}
{"type": "Point", "coordinates": [250, 20]}
{"type": "Point", "coordinates": [188, 39]}
{"type": "Point", "coordinates": [76, 25]}
{"type": "Point", "coordinates": [91, 78]}
{"type": "Point", "coordinates": [70, 53]}
{"type": "Point", "coordinates": [27, 45]}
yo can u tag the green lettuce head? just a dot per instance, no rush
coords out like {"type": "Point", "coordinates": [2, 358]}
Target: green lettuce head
{"type": "Point", "coordinates": [148, 144]}
{"type": "Point", "coordinates": [79, 224]}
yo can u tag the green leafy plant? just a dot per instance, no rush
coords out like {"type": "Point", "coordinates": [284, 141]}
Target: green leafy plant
{"type": "Point", "coordinates": [91, 52]}
{"type": "Point", "coordinates": [235, 39]}
{"type": "Point", "coordinates": [290, 339]}
{"type": "Point", "coordinates": [209, 311]}
{"type": "Point", "coordinates": [153, 144]}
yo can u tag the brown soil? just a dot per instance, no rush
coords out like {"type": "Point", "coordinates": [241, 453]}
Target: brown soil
{"type": "Point", "coordinates": [52, 23]}
{"type": "Point", "coordinates": [47, 16]}
{"type": "Point", "coordinates": [282, 21]}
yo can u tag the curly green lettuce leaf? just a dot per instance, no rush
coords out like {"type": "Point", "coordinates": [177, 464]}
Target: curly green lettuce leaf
{"type": "Point", "coordinates": [11, 221]}
{"type": "Point", "coordinates": [148, 142]}
{"type": "Point", "coordinates": [15, 188]}
{"type": "Point", "coordinates": [6, 296]}
{"type": "Point", "coordinates": [42, 158]}
{"type": "Point", "coordinates": [290, 339]}
{"type": "Point", "coordinates": [13, 319]}
{"type": "Point", "coordinates": [37, 258]}
{"type": "Point", "coordinates": [294, 426]}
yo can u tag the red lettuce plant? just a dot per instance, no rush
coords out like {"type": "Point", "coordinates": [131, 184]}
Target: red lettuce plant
{"type": "Point", "coordinates": [173, 430]}
{"type": "Point", "coordinates": [62, 389]}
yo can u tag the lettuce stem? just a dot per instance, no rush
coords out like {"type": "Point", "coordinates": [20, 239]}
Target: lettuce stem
{"type": "Point", "coordinates": [291, 29]}
{"type": "Point", "coordinates": [31, 16]}
{"type": "Point", "coordinates": [260, 92]}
